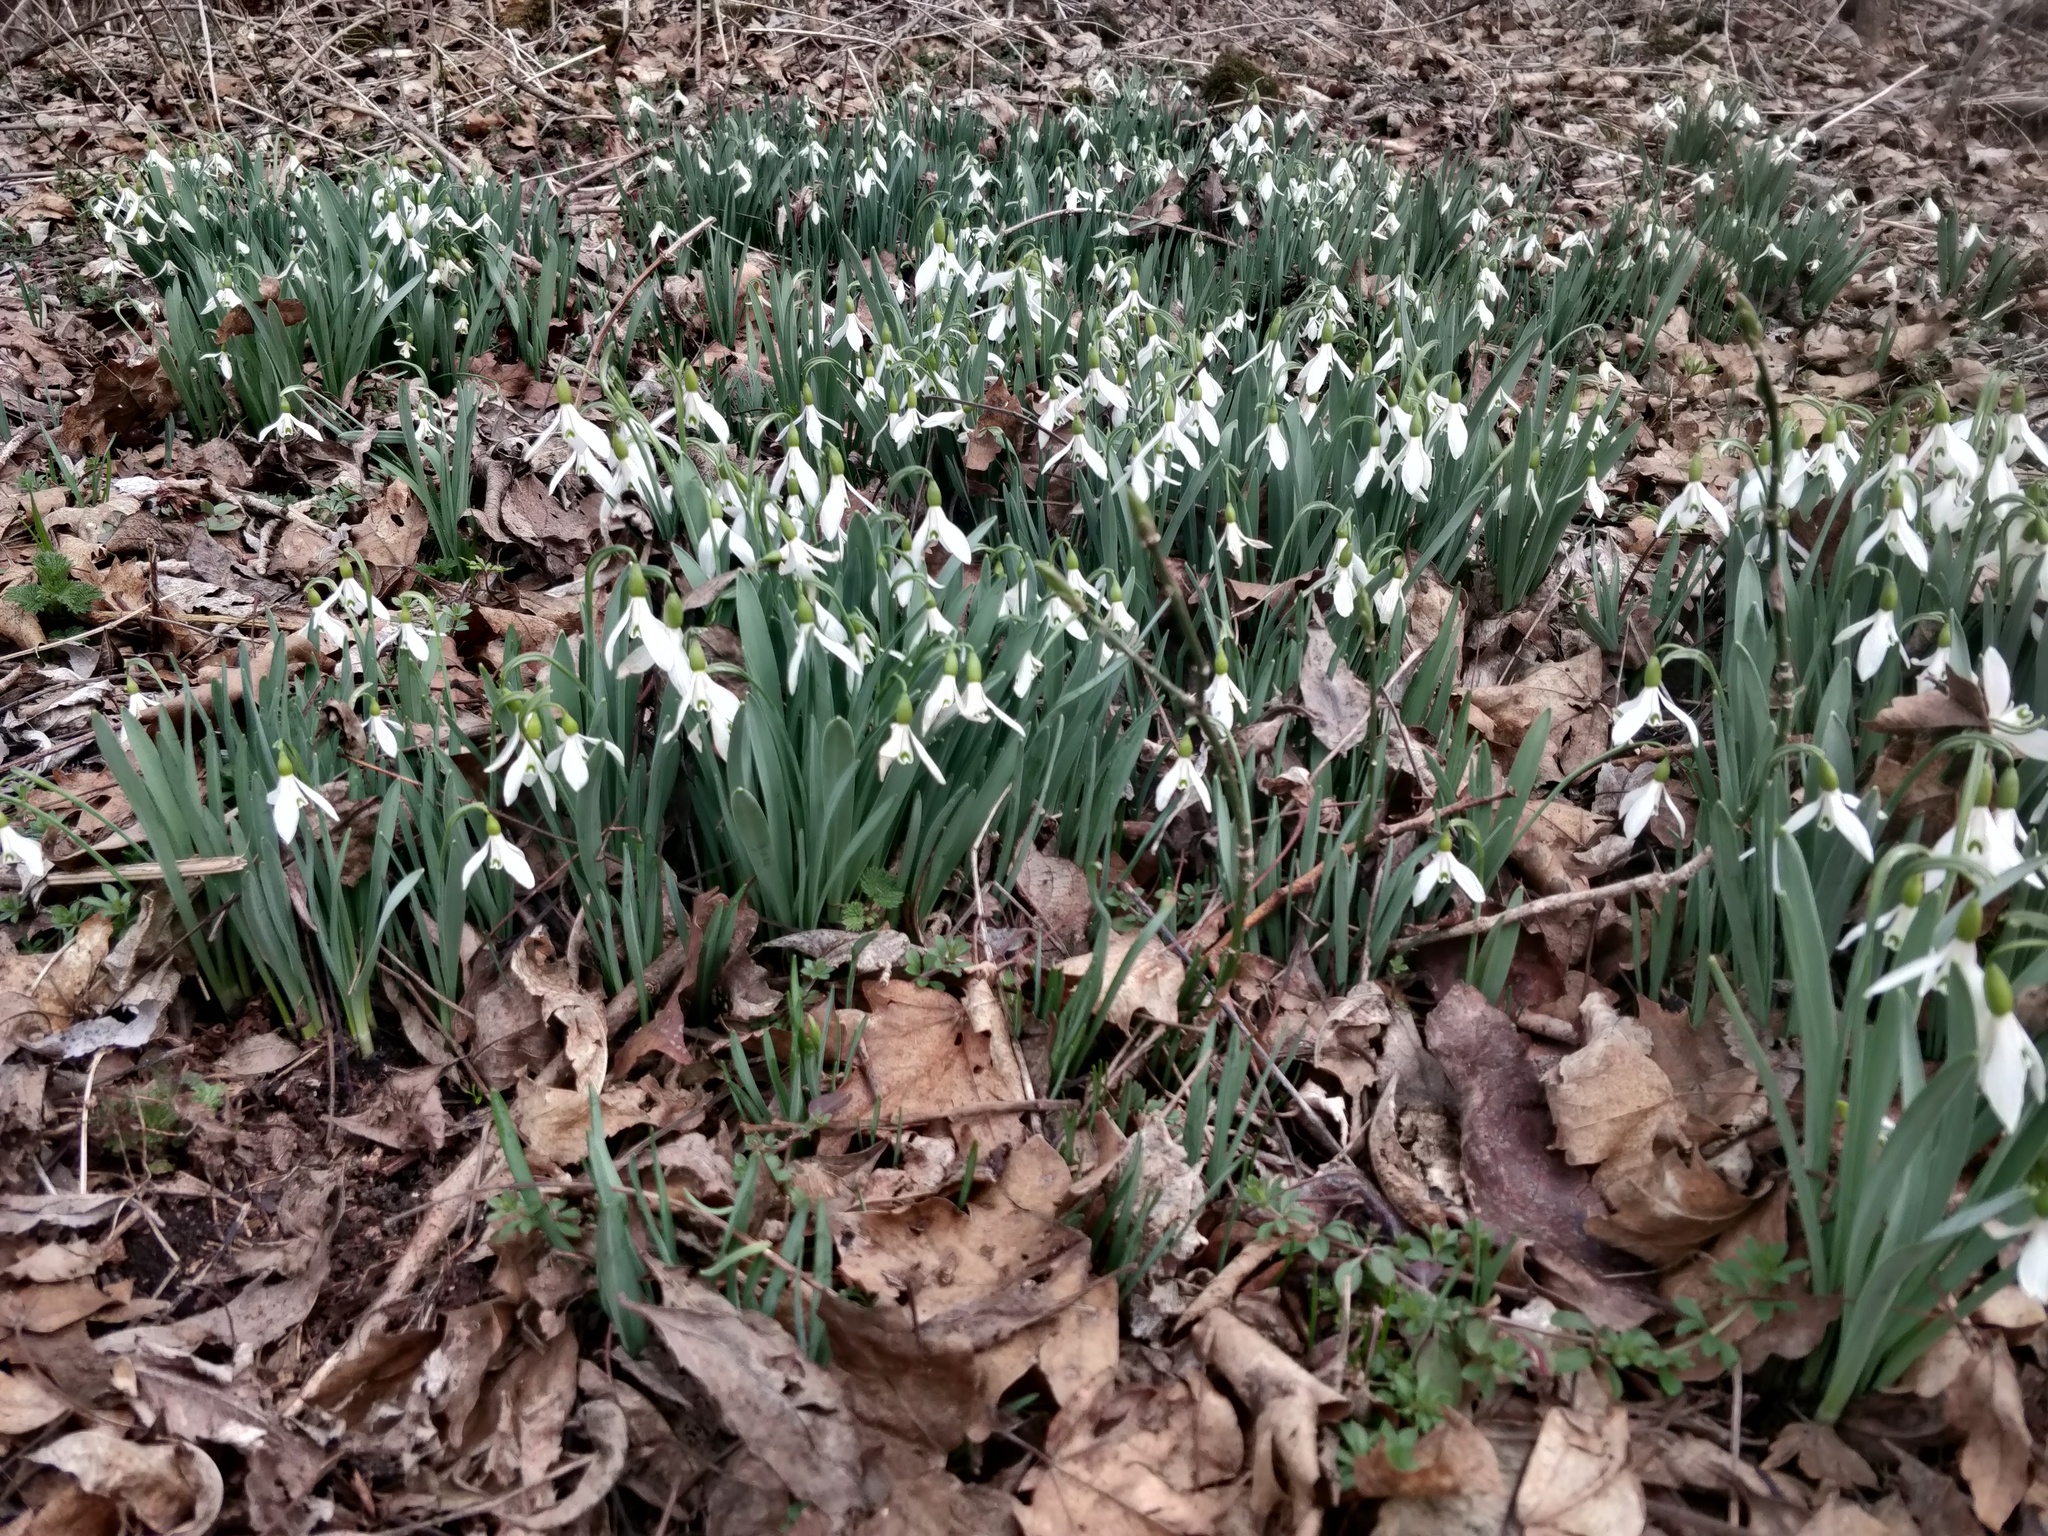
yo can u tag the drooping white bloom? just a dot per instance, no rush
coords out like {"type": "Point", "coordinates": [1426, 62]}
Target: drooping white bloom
{"type": "Point", "coordinates": [654, 643]}
{"type": "Point", "coordinates": [1236, 542]}
{"type": "Point", "coordinates": [571, 757]}
{"type": "Point", "coordinates": [498, 852]}
{"type": "Point", "coordinates": [1833, 460]}
{"type": "Point", "coordinates": [590, 446]}
{"type": "Point", "coordinates": [2032, 1270]}
{"type": "Point", "coordinates": [1959, 954]}
{"type": "Point", "coordinates": [521, 760]}
{"type": "Point", "coordinates": [287, 426]}
{"type": "Point", "coordinates": [1274, 439]}
{"type": "Point", "coordinates": [1183, 775]}
{"type": "Point", "coordinates": [2020, 437]}
{"type": "Point", "coordinates": [383, 734]}
{"type": "Point", "coordinates": [1415, 466]}
{"type": "Point", "coordinates": [1223, 698]}
{"type": "Point", "coordinates": [1947, 450]}
{"type": "Point", "coordinates": [1694, 507]}
{"type": "Point", "coordinates": [1880, 632]}
{"type": "Point", "coordinates": [1896, 532]}
{"type": "Point", "coordinates": [1444, 864]}
{"type": "Point", "coordinates": [290, 798]}
{"type": "Point", "coordinates": [975, 705]}
{"type": "Point", "coordinates": [901, 747]}
{"type": "Point", "coordinates": [1640, 806]}
{"type": "Point", "coordinates": [20, 851]}
{"type": "Point", "coordinates": [1372, 466]}
{"type": "Point", "coordinates": [938, 528]}
{"type": "Point", "coordinates": [1836, 810]}
{"type": "Point", "coordinates": [2013, 722]}
{"type": "Point", "coordinates": [945, 697]}
{"type": "Point", "coordinates": [1649, 708]}
{"type": "Point", "coordinates": [702, 697]}
{"type": "Point", "coordinates": [696, 410]}
{"type": "Point", "coordinates": [2009, 1066]}
{"type": "Point", "coordinates": [1350, 578]}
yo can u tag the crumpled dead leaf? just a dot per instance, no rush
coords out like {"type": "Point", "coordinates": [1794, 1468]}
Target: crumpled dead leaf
{"type": "Point", "coordinates": [1823, 1456]}
{"type": "Point", "coordinates": [923, 1057]}
{"type": "Point", "coordinates": [555, 1122]}
{"type": "Point", "coordinates": [1131, 1460]}
{"type": "Point", "coordinates": [1288, 1406]}
{"type": "Point", "coordinates": [26, 1404]}
{"type": "Point", "coordinates": [1454, 1458]}
{"type": "Point", "coordinates": [174, 1490]}
{"type": "Point", "coordinates": [1337, 703]}
{"type": "Point", "coordinates": [1152, 987]}
{"type": "Point", "coordinates": [1056, 890]}
{"type": "Point", "coordinates": [1578, 1482]}
{"type": "Point", "coordinates": [1984, 1405]}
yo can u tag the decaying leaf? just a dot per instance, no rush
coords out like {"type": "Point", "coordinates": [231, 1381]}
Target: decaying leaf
{"type": "Point", "coordinates": [1822, 1454]}
{"type": "Point", "coordinates": [26, 1404]}
{"type": "Point", "coordinates": [1452, 1459]}
{"type": "Point", "coordinates": [174, 1490]}
{"type": "Point", "coordinates": [1056, 890]}
{"type": "Point", "coordinates": [1129, 1460]}
{"type": "Point", "coordinates": [1288, 1405]}
{"type": "Point", "coordinates": [923, 1058]}
{"type": "Point", "coordinates": [1578, 1482]}
{"type": "Point", "coordinates": [1983, 1405]}
{"type": "Point", "coordinates": [1151, 988]}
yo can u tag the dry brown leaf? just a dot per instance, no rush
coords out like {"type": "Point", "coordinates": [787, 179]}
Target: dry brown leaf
{"type": "Point", "coordinates": [48, 1308]}
{"type": "Point", "coordinates": [1337, 703]}
{"type": "Point", "coordinates": [41, 994]}
{"type": "Point", "coordinates": [1838, 1517]}
{"type": "Point", "coordinates": [1578, 1481]}
{"type": "Point", "coordinates": [1983, 1404]}
{"type": "Point", "coordinates": [922, 1057]}
{"type": "Point", "coordinates": [1823, 1456]}
{"type": "Point", "coordinates": [1151, 988]}
{"type": "Point", "coordinates": [26, 1404]}
{"type": "Point", "coordinates": [1668, 1209]}
{"type": "Point", "coordinates": [1715, 1086]}
{"type": "Point", "coordinates": [1452, 1459]}
{"type": "Point", "coordinates": [1288, 1405]}
{"type": "Point", "coordinates": [1056, 891]}
{"type": "Point", "coordinates": [126, 404]}
{"type": "Point", "coordinates": [405, 1114]}
{"type": "Point", "coordinates": [1610, 1101]}
{"type": "Point", "coordinates": [581, 1014]}
{"type": "Point", "coordinates": [556, 1121]}
{"type": "Point", "coordinates": [256, 1055]}
{"type": "Point", "coordinates": [787, 1410]}
{"type": "Point", "coordinates": [391, 531]}
{"type": "Point", "coordinates": [1137, 1460]}
{"type": "Point", "coordinates": [169, 1488]}
{"type": "Point", "coordinates": [1568, 689]}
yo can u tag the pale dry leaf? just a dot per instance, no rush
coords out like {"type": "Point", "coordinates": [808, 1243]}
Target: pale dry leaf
{"type": "Point", "coordinates": [922, 1058]}
{"type": "Point", "coordinates": [1823, 1456]}
{"type": "Point", "coordinates": [26, 1404]}
{"type": "Point", "coordinates": [392, 530]}
{"type": "Point", "coordinates": [1983, 1404]}
{"type": "Point", "coordinates": [256, 1055]}
{"type": "Point", "coordinates": [1056, 891]}
{"type": "Point", "coordinates": [1611, 1101]}
{"type": "Point", "coordinates": [1288, 1405]}
{"type": "Point", "coordinates": [1667, 1209]}
{"type": "Point", "coordinates": [1838, 1517]}
{"type": "Point", "coordinates": [553, 985]}
{"type": "Point", "coordinates": [1151, 988]}
{"type": "Point", "coordinates": [1338, 705]}
{"type": "Point", "coordinates": [1454, 1458]}
{"type": "Point", "coordinates": [555, 1122]}
{"type": "Point", "coordinates": [786, 1409]}
{"type": "Point", "coordinates": [1137, 1460]}
{"type": "Point", "coordinates": [1578, 1482]}
{"type": "Point", "coordinates": [174, 1490]}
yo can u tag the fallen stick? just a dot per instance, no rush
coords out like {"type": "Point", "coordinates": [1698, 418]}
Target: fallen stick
{"type": "Point", "coordinates": [1562, 902]}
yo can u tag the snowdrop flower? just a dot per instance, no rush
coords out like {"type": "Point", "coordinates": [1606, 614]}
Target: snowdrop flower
{"type": "Point", "coordinates": [1316, 371]}
{"type": "Point", "coordinates": [1350, 578]}
{"type": "Point", "coordinates": [939, 528]}
{"type": "Point", "coordinates": [1959, 954]}
{"type": "Point", "coordinates": [2020, 437]}
{"type": "Point", "coordinates": [1183, 774]}
{"type": "Point", "coordinates": [1836, 811]}
{"type": "Point", "coordinates": [820, 628]}
{"type": "Point", "coordinates": [289, 798]}
{"type": "Point", "coordinates": [1443, 865]}
{"type": "Point", "coordinates": [411, 634]}
{"type": "Point", "coordinates": [1373, 465]}
{"type": "Point", "coordinates": [1648, 708]}
{"type": "Point", "coordinates": [136, 705]}
{"type": "Point", "coordinates": [22, 852]}
{"type": "Point", "coordinates": [2001, 485]}
{"type": "Point", "coordinates": [1118, 618]}
{"type": "Point", "coordinates": [1594, 499]}
{"type": "Point", "coordinates": [945, 697]}
{"type": "Point", "coordinates": [849, 332]}
{"type": "Point", "coordinates": [975, 704]}
{"type": "Point", "coordinates": [2012, 721]}
{"type": "Point", "coordinates": [2009, 1066]}
{"type": "Point", "coordinates": [1639, 807]}
{"type": "Point", "coordinates": [499, 853]}
{"type": "Point", "coordinates": [1099, 387]}
{"type": "Point", "coordinates": [2032, 1271]}
{"type": "Point", "coordinates": [1392, 592]}
{"type": "Point", "coordinates": [1027, 675]}
{"type": "Point", "coordinates": [832, 505]}
{"type": "Point", "coordinates": [901, 748]}
{"type": "Point", "coordinates": [383, 735]}
{"type": "Point", "coordinates": [1832, 461]}
{"type": "Point", "coordinates": [1946, 449]}
{"type": "Point", "coordinates": [704, 698]}
{"type": "Point", "coordinates": [288, 426]}
{"type": "Point", "coordinates": [1896, 532]}
{"type": "Point", "coordinates": [1695, 507]}
{"type": "Point", "coordinates": [941, 266]}
{"type": "Point", "coordinates": [590, 447]}
{"type": "Point", "coordinates": [1880, 633]}
{"type": "Point", "coordinates": [1415, 466]}
{"type": "Point", "coordinates": [1223, 698]}
{"type": "Point", "coordinates": [571, 757]}
{"type": "Point", "coordinates": [521, 759]}
{"type": "Point", "coordinates": [1236, 542]}
{"type": "Point", "coordinates": [1274, 439]}
{"type": "Point", "coordinates": [1892, 924]}
{"type": "Point", "coordinates": [696, 409]}
{"type": "Point", "coordinates": [654, 643]}
{"type": "Point", "coordinates": [1451, 419]}
{"type": "Point", "coordinates": [798, 558]}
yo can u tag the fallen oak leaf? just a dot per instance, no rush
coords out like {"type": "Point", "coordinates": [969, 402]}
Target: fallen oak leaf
{"type": "Point", "coordinates": [174, 1490]}
{"type": "Point", "coordinates": [1578, 1482]}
